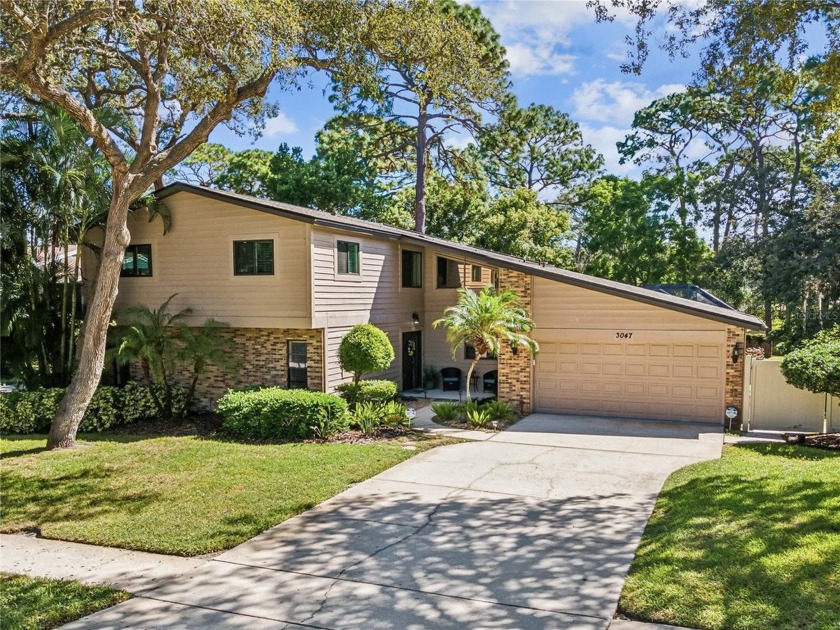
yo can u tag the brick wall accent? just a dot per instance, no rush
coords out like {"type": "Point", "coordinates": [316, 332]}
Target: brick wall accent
{"type": "Point", "coordinates": [262, 354]}
{"type": "Point", "coordinates": [734, 386]}
{"type": "Point", "coordinates": [514, 385]}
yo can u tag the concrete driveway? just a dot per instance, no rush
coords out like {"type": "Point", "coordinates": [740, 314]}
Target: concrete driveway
{"type": "Point", "coordinates": [532, 528]}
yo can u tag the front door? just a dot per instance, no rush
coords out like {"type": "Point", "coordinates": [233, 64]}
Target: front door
{"type": "Point", "coordinates": [412, 361]}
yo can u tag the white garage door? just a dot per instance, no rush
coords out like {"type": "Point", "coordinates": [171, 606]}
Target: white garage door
{"type": "Point", "coordinates": [650, 374]}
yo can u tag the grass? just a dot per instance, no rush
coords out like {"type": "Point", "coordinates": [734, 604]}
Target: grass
{"type": "Point", "coordinates": [178, 495]}
{"type": "Point", "coordinates": [751, 541]}
{"type": "Point", "coordinates": [38, 604]}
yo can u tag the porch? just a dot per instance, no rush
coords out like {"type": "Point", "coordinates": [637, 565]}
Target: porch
{"type": "Point", "coordinates": [440, 394]}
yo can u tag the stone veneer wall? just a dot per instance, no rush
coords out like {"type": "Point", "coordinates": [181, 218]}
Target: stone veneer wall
{"type": "Point", "coordinates": [515, 369]}
{"type": "Point", "coordinates": [262, 354]}
{"type": "Point", "coordinates": [734, 386]}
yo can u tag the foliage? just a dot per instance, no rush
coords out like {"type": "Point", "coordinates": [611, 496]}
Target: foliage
{"type": "Point", "coordinates": [35, 603]}
{"type": "Point", "coordinates": [54, 190]}
{"type": "Point", "coordinates": [478, 417]}
{"type": "Point", "coordinates": [329, 423]}
{"type": "Point", "coordinates": [537, 148]}
{"type": "Point", "coordinates": [815, 365]}
{"type": "Point", "coordinates": [691, 569]}
{"type": "Point", "coordinates": [274, 413]}
{"type": "Point", "coordinates": [430, 84]}
{"type": "Point", "coordinates": [367, 417]}
{"type": "Point", "coordinates": [32, 411]}
{"type": "Point", "coordinates": [395, 413]}
{"type": "Point", "coordinates": [485, 320]}
{"type": "Point", "coordinates": [499, 410]}
{"type": "Point", "coordinates": [447, 411]}
{"type": "Point", "coordinates": [178, 495]}
{"type": "Point", "coordinates": [372, 391]}
{"type": "Point", "coordinates": [365, 348]}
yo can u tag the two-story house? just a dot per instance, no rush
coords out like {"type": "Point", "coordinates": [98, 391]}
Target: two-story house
{"type": "Point", "coordinates": [291, 282]}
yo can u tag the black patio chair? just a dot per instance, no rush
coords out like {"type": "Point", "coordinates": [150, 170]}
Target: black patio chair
{"type": "Point", "coordinates": [450, 379]}
{"type": "Point", "coordinates": [491, 379]}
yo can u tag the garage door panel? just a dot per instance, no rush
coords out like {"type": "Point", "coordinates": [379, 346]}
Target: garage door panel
{"type": "Point", "coordinates": [680, 379]}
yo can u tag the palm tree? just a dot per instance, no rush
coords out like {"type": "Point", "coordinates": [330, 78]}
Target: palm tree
{"type": "Point", "coordinates": [202, 346]}
{"type": "Point", "coordinates": [484, 321]}
{"type": "Point", "coordinates": [149, 338]}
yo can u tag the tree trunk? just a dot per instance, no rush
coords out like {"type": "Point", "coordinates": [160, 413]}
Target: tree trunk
{"type": "Point", "coordinates": [469, 374]}
{"type": "Point", "coordinates": [92, 359]}
{"type": "Point", "coordinates": [420, 181]}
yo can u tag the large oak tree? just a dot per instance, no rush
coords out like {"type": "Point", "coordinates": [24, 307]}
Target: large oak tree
{"type": "Point", "coordinates": [149, 81]}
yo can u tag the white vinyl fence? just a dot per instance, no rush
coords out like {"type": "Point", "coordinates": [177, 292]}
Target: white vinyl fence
{"type": "Point", "coordinates": [772, 404]}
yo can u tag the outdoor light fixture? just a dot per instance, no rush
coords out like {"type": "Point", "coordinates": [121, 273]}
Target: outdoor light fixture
{"type": "Point", "coordinates": [736, 352]}
{"type": "Point", "coordinates": [415, 319]}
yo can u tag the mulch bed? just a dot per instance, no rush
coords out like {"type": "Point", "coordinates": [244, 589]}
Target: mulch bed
{"type": "Point", "coordinates": [204, 425]}
{"type": "Point", "coordinates": [501, 425]}
{"type": "Point", "coordinates": [829, 441]}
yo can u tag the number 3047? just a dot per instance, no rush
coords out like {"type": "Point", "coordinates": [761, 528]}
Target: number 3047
{"type": "Point", "coordinates": [623, 335]}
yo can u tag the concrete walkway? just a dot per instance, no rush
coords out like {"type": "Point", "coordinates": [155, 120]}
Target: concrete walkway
{"type": "Point", "coordinates": [534, 527]}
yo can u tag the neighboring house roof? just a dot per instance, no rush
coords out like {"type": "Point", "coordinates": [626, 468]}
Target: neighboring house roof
{"type": "Point", "coordinates": [689, 292]}
{"type": "Point", "coordinates": [326, 219]}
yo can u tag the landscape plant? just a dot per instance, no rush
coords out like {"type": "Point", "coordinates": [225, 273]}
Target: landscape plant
{"type": "Point", "coordinates": [485, 321]}
{"type": "Point", "coordinates": [479, 417]}
{"type": "Point", "coordinates": [365, 348]}
{"type": "Point", "coordinates": [815, 366]}
{"type": "Point", "coordinates": [375, 391]}
{"type": "Point", "coordinates": [446, 411]}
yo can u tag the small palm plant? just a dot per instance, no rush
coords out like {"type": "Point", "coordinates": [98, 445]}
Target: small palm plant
{"type": "Point", "coordinates": [485, 320]}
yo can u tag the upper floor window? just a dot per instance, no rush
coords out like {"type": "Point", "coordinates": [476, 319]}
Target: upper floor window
{"type": "Point", "coordinates": [476, 273]}
{"type": "Point", "coordinates": [137, 261]}
{"type": "Point", "coordinates": [348, 258]}
{"type": "Point", "coordinates": [412, 269]}
{"type": "Point", "coordinates": [448, 276]}
{"type": "Point", "coordinates": [253, 258]}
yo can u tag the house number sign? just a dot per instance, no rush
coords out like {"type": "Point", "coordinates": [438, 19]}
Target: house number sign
{"type": "Point", "coordinates": [623, 335]}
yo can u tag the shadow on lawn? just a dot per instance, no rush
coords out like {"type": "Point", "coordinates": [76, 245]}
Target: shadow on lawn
{"type": "Point", "coordinates": [760, 547]}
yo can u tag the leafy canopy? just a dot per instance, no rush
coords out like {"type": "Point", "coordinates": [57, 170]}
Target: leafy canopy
{"type": "Point", "coordinates": [816, 365]}
{"type": "Point", "coordinates": [365, 348]}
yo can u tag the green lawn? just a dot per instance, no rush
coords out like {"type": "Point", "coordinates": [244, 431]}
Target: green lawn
{"type": "Point", "coordinates": [177, 495]}
{"type": "Point", "coordinates": [749, 541]}
{"type": "Point", "coordinates": [36, 604]}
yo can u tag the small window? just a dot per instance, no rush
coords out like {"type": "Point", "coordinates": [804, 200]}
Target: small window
{"type": "Point", "coordinates": [476, 273]}
{"type": "Point", "coordinates": [137, 262]}
{"type": "Point", "coordinates": [297, 365]}
{"type": "Point", "coordinates": [412, 269]}
{"type": "Point", "coordinates": [447, 274]}
{"type": "Point", "coordinates": [348, 258]}
{"type": "Point", "coordinates": [253, 258]}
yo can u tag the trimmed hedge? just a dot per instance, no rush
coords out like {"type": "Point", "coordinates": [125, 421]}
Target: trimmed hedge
{"type": "Point", "coordinates": [275, 413]}
{"type": "Point", "coordinates": [33, 411]}
{"type": "Point", "coordinates": [378, 392]}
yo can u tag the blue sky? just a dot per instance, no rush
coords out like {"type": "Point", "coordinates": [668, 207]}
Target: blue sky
{"type": "Point", "coordinates": [559, 56]}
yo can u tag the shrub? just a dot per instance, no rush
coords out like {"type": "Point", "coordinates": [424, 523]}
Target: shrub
{"type": "Point", "coordinates": [329, 423]}
{"type": "Point", "coordinates": [468, 406]}
{"type": "Point", "coordinates": [371, 391]}
{"type": "Point", "coordinates": [479, 417]}
{"type": "Point", "coordinates": [447, 411]}
{"type": "Point", "coordinates": [499, 410]}
{"type": "Point", "coordinates": [277, 413]}
{"type": "Point", "coordinates": [32, 411]}
{"type": "Point", "coordinates": [368, 417]}
{"type": "Point", "coordinates": [395, 413]}
{"type": "Point", "coordinates": [365, 348]}
{"type": "Point", "coordinates": [816, 365]}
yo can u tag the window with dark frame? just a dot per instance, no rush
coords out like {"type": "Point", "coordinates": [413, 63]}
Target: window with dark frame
{"type": "Point", "coordinates": [348, 258]}
{"type": "Point", "coordinates": [253, 258]}
{"type": "Point", "coordinates": [447, 274]}
{"type": "Point", "coordinates": [412, 269]}
{"type": "Point", "coordinates": [476, 273]}
{"type": "Point", "coordinates": [137, 262]}
{"type": "Point", "coordinates": [297, 365]}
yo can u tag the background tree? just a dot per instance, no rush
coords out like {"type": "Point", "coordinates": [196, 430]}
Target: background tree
{"type": "Point", "coordinates": [174, 72]}
{"type": "Point", "coordinates": [485, 320]}
{"type": "Point", "coordinates": [537, 148]}
{"type": "Point", "coordinates": [432, 81]}
{"type": "Point", "coordinates": [365, 348]}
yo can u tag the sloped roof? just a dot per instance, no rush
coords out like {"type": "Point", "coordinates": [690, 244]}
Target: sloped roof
{"type": "Point", "coordinates": [351, 224]}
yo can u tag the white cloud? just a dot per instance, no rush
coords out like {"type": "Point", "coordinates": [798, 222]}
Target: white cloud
{"type": "Point", "coordinates": [280, 125]}
{"type": "Point", "coordinates": [538, 60]}
{"type": "Point", "coordinates": [604, 139]}
{"type": "Point", "coordinates": [616, 102]}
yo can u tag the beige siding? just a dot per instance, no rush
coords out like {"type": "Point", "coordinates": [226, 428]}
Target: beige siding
{"type": "Point", "coordinates": [195, 260]}
{"type": "Point", "coordinates": [558, 305]}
